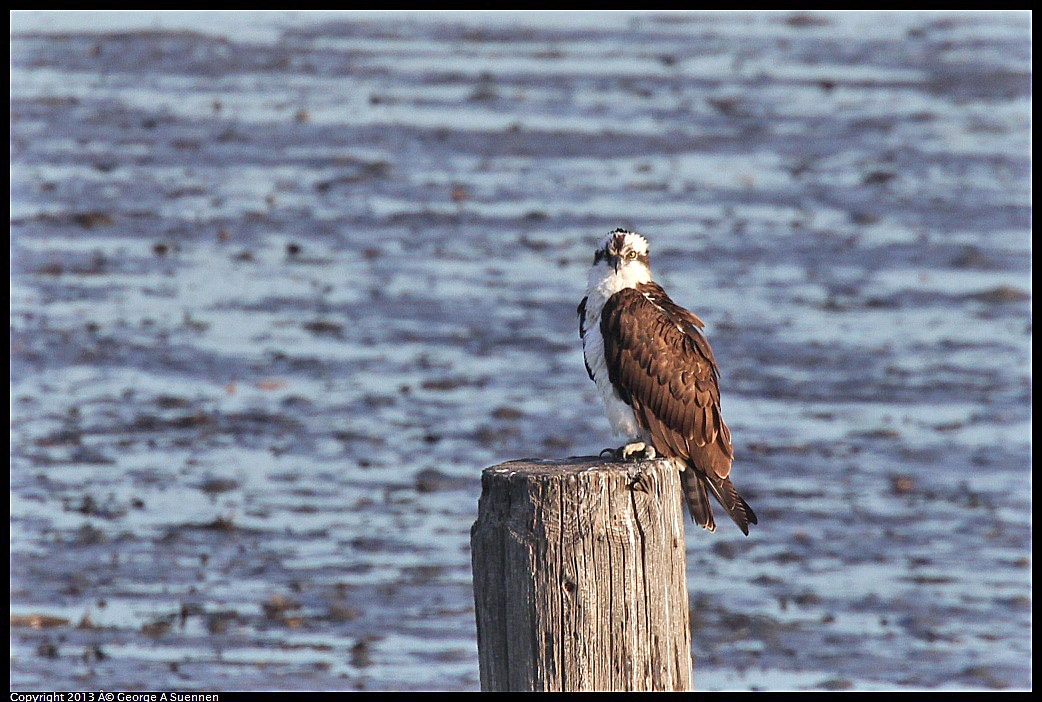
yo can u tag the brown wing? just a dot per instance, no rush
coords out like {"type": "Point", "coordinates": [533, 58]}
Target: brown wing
{"type": "Point", "coordinates": [663, 367]}
{"type": "Point", "coordinates": [655, 293]}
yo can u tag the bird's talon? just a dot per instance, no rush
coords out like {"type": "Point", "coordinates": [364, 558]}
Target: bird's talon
{"type": "Point", "coordinates": [636, 451]}
{"type": "Point", "coordinates": [609, 452]}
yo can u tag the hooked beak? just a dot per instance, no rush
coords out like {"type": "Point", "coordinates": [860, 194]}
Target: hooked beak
{"type": "Point", "coordinates": [615, 262]}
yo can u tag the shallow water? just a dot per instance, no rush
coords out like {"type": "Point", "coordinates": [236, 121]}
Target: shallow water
{"type": "Point", "coordinates": [282, 287]}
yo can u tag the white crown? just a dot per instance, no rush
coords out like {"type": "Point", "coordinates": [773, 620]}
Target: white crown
{"type": "Point", "coordinates": [635, 241]}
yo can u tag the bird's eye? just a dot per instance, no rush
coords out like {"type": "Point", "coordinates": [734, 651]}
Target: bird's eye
{"type": "Point", "coordinates": [631, 254]}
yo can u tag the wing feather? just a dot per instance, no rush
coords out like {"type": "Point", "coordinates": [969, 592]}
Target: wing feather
{"type": "Point", "coordinates": [662, 366]}
{"type": "Point", "coordinates": [581, 311]}
{"type": "Point", "coordinates": [660, 360]}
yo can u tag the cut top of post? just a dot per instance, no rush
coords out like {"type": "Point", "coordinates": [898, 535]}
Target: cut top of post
{"type": "Point", "coordinates": [536, 467]}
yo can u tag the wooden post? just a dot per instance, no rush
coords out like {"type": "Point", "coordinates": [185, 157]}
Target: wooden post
{"type": "Point", "coordinates": [579, 577]}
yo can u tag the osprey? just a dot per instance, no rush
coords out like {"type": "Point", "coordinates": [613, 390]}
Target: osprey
{"type": "Point", "coordinates": [657, 376]}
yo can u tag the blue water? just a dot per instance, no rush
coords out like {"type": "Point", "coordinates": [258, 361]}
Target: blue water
{"type": "Point", "coordinates": [284, 284]}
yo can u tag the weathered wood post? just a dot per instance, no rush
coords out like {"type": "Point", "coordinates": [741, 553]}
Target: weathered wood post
{"type": "Point", "coordinates": [579, 577]}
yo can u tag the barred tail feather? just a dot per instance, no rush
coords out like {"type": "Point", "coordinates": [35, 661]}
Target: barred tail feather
{"type": "Point", "coordinates": [697, 499]}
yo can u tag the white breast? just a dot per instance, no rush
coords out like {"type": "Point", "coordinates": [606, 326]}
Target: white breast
{"type": "Point", "coordinates": [603, 283]}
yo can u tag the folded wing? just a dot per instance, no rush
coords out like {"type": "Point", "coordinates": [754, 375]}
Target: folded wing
{"type": "Point", "coordinates": [662, 366]}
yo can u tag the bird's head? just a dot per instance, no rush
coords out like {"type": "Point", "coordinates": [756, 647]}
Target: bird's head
{"type": "Point", "coordinates": [624, 252]}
